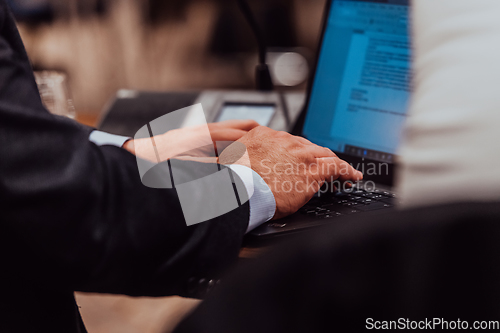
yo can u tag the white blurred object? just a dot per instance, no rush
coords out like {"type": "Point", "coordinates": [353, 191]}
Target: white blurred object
{"type": "Point", "coordinates": [451, 149]}
{"type": "Point", "coordinates": [54, 91]}
{"type": "Point", "coordinates": [127, 93]}
{"type": "Point", "coordinates": [288, 68]}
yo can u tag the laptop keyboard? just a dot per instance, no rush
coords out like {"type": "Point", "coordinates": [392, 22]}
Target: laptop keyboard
{"type": "Point", "coordinates": [323, 207]}
{"type": "Point", "coordinates": [350, 201]}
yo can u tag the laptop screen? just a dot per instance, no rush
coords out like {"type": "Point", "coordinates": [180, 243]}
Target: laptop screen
{"type": "Point", "coordinates": [361, 88]}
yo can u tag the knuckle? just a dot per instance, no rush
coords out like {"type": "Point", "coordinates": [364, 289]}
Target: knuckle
{"type": "Point", "coordinates": [330, 152]}
{"type": "Point", "coordinates": [261, 129]}
{"type": "Point", "coordinates": [257, 131]}
{"type": "Point", "coordinates": [296, 145]}
{"type": "Point", "coordinates": [283, 135]}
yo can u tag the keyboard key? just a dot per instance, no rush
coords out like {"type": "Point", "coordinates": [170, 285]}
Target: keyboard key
{"type": "Point", "coordinates": [277, 225]}
{"type": "Point", "coordinates": [366, 201]}
{"type": "Point", "coordinates": [346, 210]}
{"type": "Point", "coordinates": [323, 212]}
{"type": "Point", "coordinates": [352, 197]}
{"type": "Point", "coordinates": [374, 206]}
{"type": "Point", "coordinates": [328, 205]}
{"type": "Point", "coordinates": [374, 196]}
{"type": "Point", "coordinates": [332, 214]}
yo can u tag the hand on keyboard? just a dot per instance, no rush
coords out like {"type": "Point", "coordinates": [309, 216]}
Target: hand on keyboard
{"type": "Point", "coordinates": [292, 167]}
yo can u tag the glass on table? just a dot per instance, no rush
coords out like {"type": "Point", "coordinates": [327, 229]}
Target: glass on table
{"type": "Point", "coordinates": [54, 91]}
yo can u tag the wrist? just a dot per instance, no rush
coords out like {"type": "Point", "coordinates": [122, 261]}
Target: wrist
{"type": "Point", "coordinates": [129, 146]}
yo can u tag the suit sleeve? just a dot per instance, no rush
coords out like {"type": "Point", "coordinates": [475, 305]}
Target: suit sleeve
{"type": "Point", "coordinates": [76, 216]}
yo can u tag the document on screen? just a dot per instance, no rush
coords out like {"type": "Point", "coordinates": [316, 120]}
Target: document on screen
{"type": "Point", "coordinates": [374, 92]}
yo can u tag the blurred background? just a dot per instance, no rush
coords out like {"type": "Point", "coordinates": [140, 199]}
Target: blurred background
{"type": "Point", "coordinates": [106, 45]}
{"type": "Point", "coordinates": [101, 46]}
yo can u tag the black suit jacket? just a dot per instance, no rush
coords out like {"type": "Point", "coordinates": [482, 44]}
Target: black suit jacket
{"type": "Point", "coordinates": [437, 262]}
{"type": "Point", "coordinates": [76, 217]}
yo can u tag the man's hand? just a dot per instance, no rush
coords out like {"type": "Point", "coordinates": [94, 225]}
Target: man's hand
{"type": "Point", "coordinates": [176, 143]}
{"type": "Point", "coordinates": [292, 167]}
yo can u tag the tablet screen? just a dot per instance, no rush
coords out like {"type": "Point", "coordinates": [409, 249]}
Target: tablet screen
{"type": "Point", "coordinates": [261, 113]}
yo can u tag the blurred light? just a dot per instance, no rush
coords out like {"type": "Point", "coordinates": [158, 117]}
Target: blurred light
{"type": "Point", "coordinates": [288, 68]}
{"type": "Point", "coordinates": [126, 93]}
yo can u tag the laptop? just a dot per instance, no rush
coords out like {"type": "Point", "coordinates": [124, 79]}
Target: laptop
{"type": "Point", "coordinates": [356, 105]}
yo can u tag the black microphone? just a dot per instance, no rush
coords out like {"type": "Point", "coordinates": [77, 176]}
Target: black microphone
{"type": "Point", "coordinates": [263, 79]}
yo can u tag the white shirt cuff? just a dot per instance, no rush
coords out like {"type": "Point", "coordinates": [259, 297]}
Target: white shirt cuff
{"type": "Point", "coordinates": [103, 138]}
{"type": "Point", "coordinates": [262, 202]}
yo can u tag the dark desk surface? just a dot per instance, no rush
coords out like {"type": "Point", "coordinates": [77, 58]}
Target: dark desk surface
{"type": "Point", "coordinates": [127, 114]}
